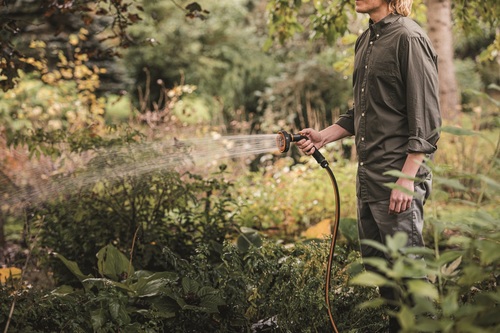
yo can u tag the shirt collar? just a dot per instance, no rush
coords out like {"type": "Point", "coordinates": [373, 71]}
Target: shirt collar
{"type": "Point", "coordinates": [377, 28]}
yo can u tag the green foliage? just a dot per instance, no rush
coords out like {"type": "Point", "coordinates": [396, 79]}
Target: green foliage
{"type": "Point", "coordinates": [471, 16]}
{"type": "Point", "coordinates": [121, 298]}
{"type": "Point", "coordinates": [139, 214]}
{"type": "Point", "coordinates": [290, 198]}
{"type": "Point", "coordinates": [37, 312]}
{"type": "Point", "coordinates": [271, 281]}
{"type": "Point", "coordinates": [305, 94]}
{"type": "Point", "coordinates": [468, 168]}
{"type": "Point", "coordinates": [286, 287]}
{"type": "Point", "coordinates": [273, 287]}
{"type": "Point", "coordinates": [53, 110]}
{"type": "Point", "coordinates": [222, 56]}
{"type": "Point", "coordinates": [461, 294]}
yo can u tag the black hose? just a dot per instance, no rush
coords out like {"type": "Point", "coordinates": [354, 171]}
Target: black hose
{"type": "Point", "coordinates": [334, 229]}
{"type": "Point", "coordinates": [283, 141]}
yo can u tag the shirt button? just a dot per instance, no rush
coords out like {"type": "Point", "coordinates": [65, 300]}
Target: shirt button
{"type": "Point", "coordinates": [366, 66]}
{"type": "Point", "coordinates": [361, 163]}
{"type": "Point", "coordinates": [363, 114]}
{"type": "Point", "coordinates": [378, 35]}
{"type": "Point", "coordinates": [371, 43]}
{"type": "Point", "coordinates": [363, 90]}
{"type": "Point", "coordinates": [363, 139]}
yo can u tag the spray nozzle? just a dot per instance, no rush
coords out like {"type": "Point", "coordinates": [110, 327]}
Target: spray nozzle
{"type": "Point", "coordinates": [283, 142]}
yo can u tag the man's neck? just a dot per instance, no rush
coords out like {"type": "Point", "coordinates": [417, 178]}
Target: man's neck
{"type": "Point", "coordinates": [379, 14]}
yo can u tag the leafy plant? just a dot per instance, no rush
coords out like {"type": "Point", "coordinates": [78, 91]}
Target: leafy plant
{"type": "Point", "coordinates": [128, 300]}
{"type": "Point", "coordinates": [461, 294]}
{"type": "Point", "coordinates": [140, 214]}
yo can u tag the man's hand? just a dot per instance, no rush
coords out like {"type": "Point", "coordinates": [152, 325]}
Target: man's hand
{"type": "Point", "coordinates": [401, 201]}
{"type": "Point", "coordinates": [314, 140]}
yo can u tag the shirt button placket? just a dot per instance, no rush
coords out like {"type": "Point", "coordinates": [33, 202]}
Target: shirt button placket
{"type": "Point", "coordinates": [363, 124]}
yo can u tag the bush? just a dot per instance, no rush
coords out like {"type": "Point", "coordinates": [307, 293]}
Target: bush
{"type": "Point", "coordinates": [272, 288]}
{"type": "Point", "coordinates": [35, 311]}
{"type": "Point", "coordinates": [140, 214]}
{"type": "Point", "coordinates": [463, 271]}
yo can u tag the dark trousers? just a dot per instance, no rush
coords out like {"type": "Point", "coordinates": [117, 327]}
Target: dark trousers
{"type": "Point", "coordinates": [375, 223]}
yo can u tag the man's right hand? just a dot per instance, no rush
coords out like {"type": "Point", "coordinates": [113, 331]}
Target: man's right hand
{"type": "Point", "coordinates": [314, 140]}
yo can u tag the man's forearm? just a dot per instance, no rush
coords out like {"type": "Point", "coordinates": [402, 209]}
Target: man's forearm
{"type": "Point", "coordinates": [412, 163]}
{"type": "Point", "coordinates": [333, 133]}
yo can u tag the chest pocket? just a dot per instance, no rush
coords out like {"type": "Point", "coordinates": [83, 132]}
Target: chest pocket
{"type": "Point", "coordinates": [384, 79]}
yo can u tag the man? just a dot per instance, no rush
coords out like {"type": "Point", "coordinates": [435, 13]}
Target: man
{"type": "Point", "coordinates": [395, 120]}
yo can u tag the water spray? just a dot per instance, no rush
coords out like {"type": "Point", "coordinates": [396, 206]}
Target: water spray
{"type": "Point", "coordinates": [283, 140]}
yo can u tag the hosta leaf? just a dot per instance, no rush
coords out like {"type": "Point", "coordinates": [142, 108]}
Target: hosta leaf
{"type": "Point", "coordinates": [113, 264]}
{"type": "Point", "coordinates": [165, 307]}
{"type": "Point", "coordinates": [73, 267]}
{"type": "Point", "coordinates": [151, 288]}
{"type": "Point", "coordinates": [102, 283]}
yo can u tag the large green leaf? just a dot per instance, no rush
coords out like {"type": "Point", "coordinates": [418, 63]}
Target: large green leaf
{"type": "Point", "coordinates": [73, 267]}
{"type": "Point", "coordinates": [153, 284]}
{"type": "Point", "coordinates": [102, 283]}
{"type": "Point", "coordinates": [397, 242]}
{"type": "Point", "coordinates": [164, 307]}
{"type": "Point", "coordinates": [113, 264]}
{"type": "Point", "coordinates": [118, 312]}
{"type": "Point", "coordinates": [248, 237]}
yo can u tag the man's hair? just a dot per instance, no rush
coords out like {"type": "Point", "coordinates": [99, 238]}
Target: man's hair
{"type": "Point", "coordinates": [401, 7]}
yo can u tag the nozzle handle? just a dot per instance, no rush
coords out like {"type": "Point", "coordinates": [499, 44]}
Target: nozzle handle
{"type": "Point", "coordinates": [317, 155]}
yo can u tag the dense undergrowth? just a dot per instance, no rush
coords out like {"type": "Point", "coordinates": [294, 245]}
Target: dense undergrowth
{"type": "Point", "coordinates": [172, 256]}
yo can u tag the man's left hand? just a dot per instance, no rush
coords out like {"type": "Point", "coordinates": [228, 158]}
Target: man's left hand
{"type": "Point", "coordinates": [401, 201]}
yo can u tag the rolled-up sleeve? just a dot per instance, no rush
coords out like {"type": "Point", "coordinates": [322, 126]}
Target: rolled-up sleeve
{"type": "Point", "coordinates": [346, 121]}
{"type": "Point", "coordinates": [419, 68]}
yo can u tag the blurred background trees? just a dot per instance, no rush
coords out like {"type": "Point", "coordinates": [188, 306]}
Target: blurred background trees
{"type": "Point", "coordinates": [227, 51]}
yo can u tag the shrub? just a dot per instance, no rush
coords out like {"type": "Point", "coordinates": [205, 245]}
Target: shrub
{"type": "Point", "coordinates": [35, 311]}
{"type": "Point", "coordinates": [139, 214]}
{"type": "Point", "coordinates": [462, 292]}
{"type": "Point", "coordinates": [274, 287]}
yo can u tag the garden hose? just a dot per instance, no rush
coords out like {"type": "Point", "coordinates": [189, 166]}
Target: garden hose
{"type": "Point", "coordinates": [283, 141]}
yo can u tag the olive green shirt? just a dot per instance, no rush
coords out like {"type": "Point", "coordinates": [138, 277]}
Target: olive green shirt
{"type": "Point", "coordinates": [396, 104]}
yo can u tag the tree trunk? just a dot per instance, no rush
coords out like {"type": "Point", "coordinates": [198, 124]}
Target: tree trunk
{"type": "Point", "coordinates": [440, 32]}
{"type": "Point", "coordinates": [2, 233]}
